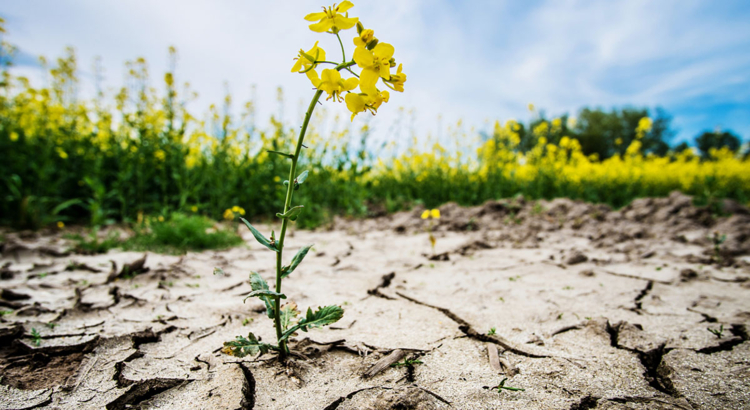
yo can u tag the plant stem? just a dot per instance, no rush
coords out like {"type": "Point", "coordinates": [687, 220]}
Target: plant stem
{"type": "Point", "coordinates": [283, 350]}
{"type": "Point", "coordinates": [343, 53]}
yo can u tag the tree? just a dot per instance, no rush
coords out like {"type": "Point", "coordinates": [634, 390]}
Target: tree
{"type": "Point", "coordinates": [716, 139]}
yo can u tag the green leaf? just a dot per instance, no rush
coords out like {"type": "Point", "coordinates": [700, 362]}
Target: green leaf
{"type": "Point", "coordinates": [259, 236]}
{"type": "Point", "coordinates": [242, 347]}
{"type": "Point", "coordinates": [283, 154]}
{"type": "Point", "coordinates": [288, 312]}
{"type": "Point", "coordinates": [292, 213]}
{"type": "Point", "coordinates": [322, 317]}
{"type": "Point", "coordinates": [301, 178]}
{"type": "Point", "coordinates": [287, 270]}
{"type": "Point", "coordinates": [260, 293]}
{"type": "Point", "coordinates": [257, 283]}
{"type": "Point", "coordinates": [219, 271]}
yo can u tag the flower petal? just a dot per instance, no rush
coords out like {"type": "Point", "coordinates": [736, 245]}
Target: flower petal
{"type": "Point", "coordinates": [323, 26]}
{"type": "Point", "coordinates": [344, 23]}
{"type": "Point", "coordinates": [315, 16]}
{"type": "Point", "coordinates": [384, 51]}
{"type": "Point", "coordinates": [350, 84]}
{"type": "Point", "coordinates": [344, 6]}
{"type": "Point", "coordinates": [367, 80]}
{"type": "Point", "coordinates": [363, 57]}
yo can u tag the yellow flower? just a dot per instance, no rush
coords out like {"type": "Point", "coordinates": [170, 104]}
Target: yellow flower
{"type": "Point", "coordinates": [306, 62]}
{"type": "Point", "coordinates": [14, 136]}
{"type": "Point", "coordinates": [228, 215]}
{"type": "Point", "coordinates": [160, 218]}
{"type": "Point", "coordinates": [60, 224]}
{"type": "Point", "coordinates": [435, 214]}
{"type": "Point", "coordinates": [61, 153]}
{"type": "Point", "coordinates": [396, 82]}
{"type": "Point", "coordinates": [365, 37]}
{"type": "Point", "coordinates": [160, 155]}
{"type": "Point", "coordinates": [375, 63]}
{"type": "Point", "coordinates": [194, 208]}
{"type": "Point", "coordinates": [426, 214]}
{"type": "Point", "coordinates": [531, 107]}
{"type": "Point", "coordinates": [238, 210]}
{"type": "Point", "coordinates": [332, 83]}
{"type": "Point", "coordinates": [357, 103]}
{"type": "Point", "coordinates": [331, 19]}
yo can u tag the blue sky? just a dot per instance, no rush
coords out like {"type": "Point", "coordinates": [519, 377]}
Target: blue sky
{"type": "Point", "coordinates": [478, 61]}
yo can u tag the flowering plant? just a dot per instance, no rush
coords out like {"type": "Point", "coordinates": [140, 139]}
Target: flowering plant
{"type": "Point", "coordinates": [375, 60]}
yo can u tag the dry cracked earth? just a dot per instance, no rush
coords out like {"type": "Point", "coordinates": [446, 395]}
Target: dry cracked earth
{"type": "Point", "coordinates": [580, 306]}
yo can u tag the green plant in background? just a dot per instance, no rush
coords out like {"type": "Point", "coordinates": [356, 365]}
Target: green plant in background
{"type": "Point", "coordinates": [492, 331]}
{"type": "Point", "coordinates": [719, 333]}
{"type": "Point", "coordinates": [431, 214]}
{"type": "Point", "coordinates": [36, 338]}
{"type": "Point", "coordinates": [717, 240]}
{"type": "Point", "coordinates": [92, 243]}
{"type": "Point", "coordinates": [375, 60]}
{"type": "Point", "coordinates": [502, 387]}
{"type": "Point", "coordinates": [180, 233]}
{"type": "Point", "coordinates": [407, 362]}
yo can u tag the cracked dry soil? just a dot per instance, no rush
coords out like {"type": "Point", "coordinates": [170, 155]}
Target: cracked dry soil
{"type": "Point", "coordinates": [592, 309]}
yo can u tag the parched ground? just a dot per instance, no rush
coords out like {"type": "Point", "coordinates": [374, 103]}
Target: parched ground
{"type": "Point", "coordinates": [591, 309]}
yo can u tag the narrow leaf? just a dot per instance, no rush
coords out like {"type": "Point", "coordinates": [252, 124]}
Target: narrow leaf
{"type": "Point", "coordinates": [292, 213]}
{"type": "Point", "coordinates": [287, 270]}
{"type": "Point", "coordinates": [219, 271]}
{"type": "Point", "coordinates": [257, 283]}
{"type": "Point", "coordinates": [259, 236]}
{"type": "Point", "coordinates": [242, 347]}
{"type": "Point", "coordinates": [322, 317]}
{"type": "Point", "coordinates": [263, 293]}
{"type": "Point", "coordinates": [301, 178]}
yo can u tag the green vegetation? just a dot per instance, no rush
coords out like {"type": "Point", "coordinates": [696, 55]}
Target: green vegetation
{"type": "Point", "coordinates": [92, 244]}
{"type": "Point", "coordinates": [180, 233]}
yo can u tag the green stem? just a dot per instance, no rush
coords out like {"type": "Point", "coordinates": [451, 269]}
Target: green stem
{"type": "Point", "coordinates": [283, 350]}
{"type": "Point", "coordinates": [343, 53]}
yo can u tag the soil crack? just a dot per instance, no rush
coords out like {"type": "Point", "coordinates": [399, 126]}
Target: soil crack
{"type": "Point", "coordinates": [467, 329]}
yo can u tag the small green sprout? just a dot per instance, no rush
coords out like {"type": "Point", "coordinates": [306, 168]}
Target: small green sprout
{"type": "Point", "coordinates": [83, 283]}
{"type": "Point", "coordinates": [658, 268]}
{"type": "Point", "coordinates": [246, 321]}
{"type": "Point", "coordinates": [587, 317]}
{"type": "Point", "coordinates": [193, 285]}
{"type": "Point", "coordinates": [165, 283]}
{"type": "Point", "coordinates": [502, 387]}
{"type": "Point", "coordinates": [559, 317]}
{"type": "Point", "coordinates": [52, 325]}
{"type": "Point", "coordinates": [501, 299]}
{"type": "Point", "coordinates": [43, 275]}
{"type": "Point", "coordinates": [407, 362]}
{"type": "Point", "coordinates": [36, 338]}
{"type": "Point", "coordinates": [719, 333]}
{"type": "Point", "coordinates": [568, 288]}
{"type": "Point", "coordinates": [514, 278]}
{"type": "Point", "coordinates": [492, 331]}
{"type": "Point", "coordinates": [5, 312]}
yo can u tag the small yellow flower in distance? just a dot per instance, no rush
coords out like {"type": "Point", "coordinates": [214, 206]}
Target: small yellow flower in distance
{"type": "Point", "coordinates": [277, 178]}
{"type": "Point", "coordinates": [531, 107]}
{"type": "Point", "coordinates": [61, 153]}
{"type": "Point", "coordinates": [426, 214]}
{"type": "Point", "coordinates": [228, 215]}
{"type": "Point", "coordinates": [236, 209]}
{"type": "Point", "coordinates": [194, 208]}
{"type": "Point", "coordinates": [435, 214]}
{"type": "Point", "coordinates": [160, 218]}
{"type": "Point", "coordinates": [140, 217]}
{"type": "Point", "coordinates": [332, 19]}
{"type": "Point", "coordinates": [14, 136]}
{"type": "Point", "coordinates": [60, 224]}
{"type": "Point", "coordinates": [375, 63]}
{"type": "Point", "coordinates": [618, 141]}
{"type": "Point", "coordinates": [160, 155]}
